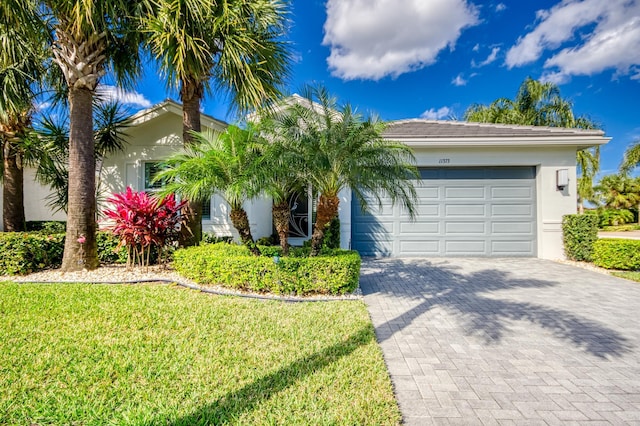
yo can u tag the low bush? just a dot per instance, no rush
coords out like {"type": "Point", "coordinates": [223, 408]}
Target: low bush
{"type": "Point", "coordinates": [233, 266]}
{"type": "Point", "coordinates": [579, 232]}
{"type": "Point", "coordinates": [615, 217]}
{"type": "Point", "coordinates": [621, 228]}
{"type": "Point", "coordinates": [47, 226]}
{"type": "Point", "coordinates": [23, 252]}
{"type": "Point", "coordinates": [616, 253]}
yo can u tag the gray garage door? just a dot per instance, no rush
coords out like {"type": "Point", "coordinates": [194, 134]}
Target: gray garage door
{"type": "Point", "coordinates": [461, 212]}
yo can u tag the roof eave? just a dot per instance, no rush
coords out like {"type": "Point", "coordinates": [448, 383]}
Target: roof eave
{"type": "Point", "coordinates": [581, 142]}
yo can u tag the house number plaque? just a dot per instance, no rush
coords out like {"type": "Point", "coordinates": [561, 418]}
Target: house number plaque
{"type": "Point", "coordinates": [444, 161]}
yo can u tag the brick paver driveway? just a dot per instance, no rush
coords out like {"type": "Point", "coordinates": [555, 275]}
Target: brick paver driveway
{"type": "Point", "coordinates": [506, 341]}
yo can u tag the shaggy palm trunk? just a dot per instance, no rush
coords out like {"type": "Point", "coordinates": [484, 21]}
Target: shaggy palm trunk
{"type": "Point", "coordinates": [281, 214]}
{"type": "Point", "coordinates": [191, 93]}
{"type": "Point", "coordinates": [12, 195]}
{"type": "Point", "coordinates": [81, 214]}
{"type": "Point", "coordinates": [327, 209]}
{"type": "Point", "coordinates": [240, 221]}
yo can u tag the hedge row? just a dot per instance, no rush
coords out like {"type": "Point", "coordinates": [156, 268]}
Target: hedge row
{"type": "Point", "coordinates": [579, 233]}
{"type": "Point", "coordinates": [617, 254]}
{"type": "Point", "coordinates": [26, 252]}
{"type": "Point", "coordinates": [233, 266]}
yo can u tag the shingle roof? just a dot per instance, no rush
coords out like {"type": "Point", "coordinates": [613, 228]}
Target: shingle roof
{"type": "Point", "coordinates": [418, 128]}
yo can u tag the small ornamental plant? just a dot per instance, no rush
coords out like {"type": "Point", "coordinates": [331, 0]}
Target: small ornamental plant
{"type": "Point", "coordinates": [141, 221]}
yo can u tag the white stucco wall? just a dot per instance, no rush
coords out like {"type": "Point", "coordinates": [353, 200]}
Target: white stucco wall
{"type": "Point", "coordinates": [551, 203]}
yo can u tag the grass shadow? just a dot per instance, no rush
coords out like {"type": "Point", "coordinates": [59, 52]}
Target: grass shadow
{"type": "Point", "coordinates": [230, 407]}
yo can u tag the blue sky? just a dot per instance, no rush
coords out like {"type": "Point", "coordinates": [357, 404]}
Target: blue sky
{"type": "Point", "coordinates": [433, 58]}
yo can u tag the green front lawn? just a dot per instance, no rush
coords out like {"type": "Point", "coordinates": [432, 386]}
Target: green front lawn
{"type": "Point", "coordinates": [157, 354]}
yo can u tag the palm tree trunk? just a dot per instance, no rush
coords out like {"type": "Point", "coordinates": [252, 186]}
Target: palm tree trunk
{"type": "Point", "coordinates": [580, 205]}
{"type": "Point", "coordinates": [240, 221]}
{"type": "Point", "coordinates": [281, 214]}
{"type": "Point", "coordinates": [81, 214]}
{"type": "Point", "coordinates": [327, 209]}
{"type": "Point", "coordinates": [12, 196]}
{"type": "Point", "coordinates": [190, 94]}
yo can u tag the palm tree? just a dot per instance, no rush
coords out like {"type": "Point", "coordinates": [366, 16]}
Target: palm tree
{"type": "Point", "coordinates": [233, 46]}
{"type": "Point", "coordinates": [21, 71]}
{"type": "Point", "coordinates": [588, 166]}
{"type": "Point", "coordinates": [631, 158]}
{"type": "Point", "coordinates": [88, 39]}
{"type": "Point", "coordinates": [343, 149]}
{"type": "Point", "coordinates": [52, 155]}
{"type": "Point", "coordinates": [280, 171]}
{"type": "Point", "coordinates": [540, 104]}
{"type": "Point", "coordinates": [224, 164]}
{"type": "Point", "coordinates": [619, 191]}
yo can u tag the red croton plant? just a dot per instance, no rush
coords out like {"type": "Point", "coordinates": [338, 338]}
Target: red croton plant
{"type": "Point", "coordinates": [141, 221]}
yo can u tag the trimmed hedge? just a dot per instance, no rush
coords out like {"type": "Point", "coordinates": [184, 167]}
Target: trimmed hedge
{"type": "Point", "coordinates": [617, 253]}
{"type": "Point", "coordinates": [22, 253]}
{"type": "Point", "coordinates": [233, 266]}
{"type": "Point", "coordinates": [579, 233]}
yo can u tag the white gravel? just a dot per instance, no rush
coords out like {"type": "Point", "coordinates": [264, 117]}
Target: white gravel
{"type": "Point", "coordinates": [120, 274]}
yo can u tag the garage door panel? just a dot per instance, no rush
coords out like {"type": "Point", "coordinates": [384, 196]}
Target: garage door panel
{"type": "Point", "coordinates": [511, 228]}
{"type": "Point", "coordinates": [461, 212]}
{"type": "Point", "coordinates": [464, 192]}
{"type": "Point", "coordinates": [466, 247]}
{"type": "Point", "coordinates": [509, 193]}
{"type": "Point", "coordinates": [464, 210]}
{"type": "Point", "coordinates": [465, 228]}
{"type": "Point", "coordinates": [511, 248]}
{"type": "Point", "coordinates": [498, 210]}
{"type": "Point", "coordinates": [428, 193]}
{"type": "Point", "coordinates": [419, 228]}
{"type": "Point", "coordinates": [420, 248]}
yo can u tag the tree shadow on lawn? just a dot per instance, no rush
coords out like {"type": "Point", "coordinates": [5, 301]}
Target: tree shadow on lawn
{"type": "Point", "coordinates": [465, 296]}
{"type": "Point", "coordinates": [229, 407]}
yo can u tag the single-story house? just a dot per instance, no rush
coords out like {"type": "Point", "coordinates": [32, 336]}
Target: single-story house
{"type": "Point", "coordinates": [485, 189]}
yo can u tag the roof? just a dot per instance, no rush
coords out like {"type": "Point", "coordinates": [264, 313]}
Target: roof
{"type": "Point", "coordinates": [171, 106]}
{"type": "Point", "coordinates": [419, 132]}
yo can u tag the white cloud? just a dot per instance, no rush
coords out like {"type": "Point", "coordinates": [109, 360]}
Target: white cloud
{"type": "Point", "coordinates": [500, 7]}
{"type": "Point", "coordinates": [601, 34]}
{"type": "Point", "coordinates": [112, 93]}
{"type": "Point", "coordinates": [476, 48]}
{"type": "Point", "coordinates": [491, 58]}
{"type": "Point", "coordinates": [437, 114]}
{"type": "Point", "coordinates": [459, 81]}
{"type": "Point", "coordinates": [372, 39]}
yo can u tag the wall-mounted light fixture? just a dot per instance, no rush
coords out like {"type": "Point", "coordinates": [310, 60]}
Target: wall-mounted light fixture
{"type": "Point", "coordinates": [562, 178]}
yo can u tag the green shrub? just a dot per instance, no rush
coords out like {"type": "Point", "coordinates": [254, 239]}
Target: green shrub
{"type": "Point", "coordinates": [332, 235]}
{"type": "Point", "coordinates": [617, 253]}
{"type": "Point", "coordinates": [211, 238]}
{"type": "Point", "coordinates": [233, 266]}
{"type": "Point", "coordinates": [22, 252]}
{"type": "Point", "coordinates": [108, 250]}
{"type": "Point", "coordinates": [47, 226]}
{"type": "Point", "coordinates": [622, 228]}
{"type": "Point", "coordinates": [614, 217]}
{"type": "Point", "coordinates": [579, 232]}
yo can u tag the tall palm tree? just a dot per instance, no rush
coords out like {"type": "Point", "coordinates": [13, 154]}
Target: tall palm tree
{"type": "Point", "coordinates": [588, 165]}
{"type": "Point", "coordinates": [224, 164]}
{"type": "Point", "coordinates": [233, 46]}
{"type": "Point", "coordinates": [89, 38]}
{"type": "Point", "coordinates": [541, 104]}
{"type": "Point", "coordinates": [343, 149]}
{"type": "Point", "coordinates": [21, 71]}
{"type": "Point", "coordinates": [51, 157]}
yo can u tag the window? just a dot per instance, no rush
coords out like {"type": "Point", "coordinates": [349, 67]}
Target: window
{"type": "Point", "coordinates": [150, 170]}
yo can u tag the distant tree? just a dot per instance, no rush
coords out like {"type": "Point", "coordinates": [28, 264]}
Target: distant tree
{"type": "Point", "coordinates": [619, 192]}
{"type": "Point", "coordinates": [631, 158]}
{"type": "Point", "coordinates": [541, 104]}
